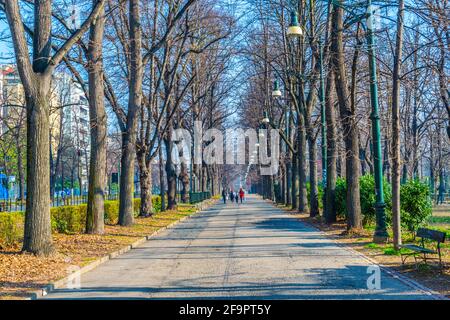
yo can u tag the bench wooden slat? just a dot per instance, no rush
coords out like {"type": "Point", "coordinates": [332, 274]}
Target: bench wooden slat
{"type": "Point", "coordinates": [414, 247]}
{"type": "Point", "coordinates": [431, 234]}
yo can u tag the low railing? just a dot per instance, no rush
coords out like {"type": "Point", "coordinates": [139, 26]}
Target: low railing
{"type": "Point", "coordinates": [196, 197]}
{"type": "Point", "coordinates": [11, 205]}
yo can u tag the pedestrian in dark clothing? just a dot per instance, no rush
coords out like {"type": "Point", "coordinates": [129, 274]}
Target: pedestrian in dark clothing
{"type": "Point", "coordinates": [232, 196]}
{"type": "Point", "coordinates": [236, 196]}
{"type": "Point", "coordinates": [224, 196]}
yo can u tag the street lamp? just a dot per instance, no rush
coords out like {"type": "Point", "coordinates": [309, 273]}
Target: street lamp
{"type": "Point", "coordinates": [381, 234]}
{"type": "Point", "coordinates": [266, 119]}
{"type": "Point", "coordinates": [276, 93]}
{"type": "Point", "coordinates": [294, 29]}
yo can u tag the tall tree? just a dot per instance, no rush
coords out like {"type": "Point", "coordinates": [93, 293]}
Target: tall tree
{"type": "Point", "coordinates": [36, 76]}
{"type": "Point", "coordinates": [348, 118]}
{"type": "Point", "coordinates": [98, 122]}
{"type": "Point", "coordinates": [396, 157]}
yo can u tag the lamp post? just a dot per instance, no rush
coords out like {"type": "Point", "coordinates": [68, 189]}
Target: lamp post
{"type": "Point", "coordinates": [381, 234]}
{"type": "Point", "coordinates": [294, 30]}
{"type": "Point", "coordinates": [265, 121]}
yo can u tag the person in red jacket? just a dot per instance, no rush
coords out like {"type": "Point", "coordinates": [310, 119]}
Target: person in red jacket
{"type": "Point", "coordinates": [241, 194]}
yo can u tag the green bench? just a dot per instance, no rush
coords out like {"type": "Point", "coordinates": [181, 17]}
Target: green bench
{"type": "Point", "coordinates": [421, 250]}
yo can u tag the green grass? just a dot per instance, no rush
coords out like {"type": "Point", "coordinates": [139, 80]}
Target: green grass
{"type": "Point", "coordinates": [390, 251]}
{"type": "Point", "coordinates": [372, 246]}
{"type": "Point", "coordinates": [439, 220]}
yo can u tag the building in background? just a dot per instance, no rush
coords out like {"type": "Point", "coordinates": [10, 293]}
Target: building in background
{"type": "Point", "coordinates": [69, 130]}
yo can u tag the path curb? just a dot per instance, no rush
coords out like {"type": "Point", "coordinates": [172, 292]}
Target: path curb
{"type": "Point", "coordinates": [42, 292]}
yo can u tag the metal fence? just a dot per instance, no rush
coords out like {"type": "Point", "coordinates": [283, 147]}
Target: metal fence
{"type": "Point", "coordinates": [196, 197]}
{"type": "Point", "coordinates": [11, 205]}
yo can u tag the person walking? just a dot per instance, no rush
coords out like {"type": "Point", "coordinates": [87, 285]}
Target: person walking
{"type": "Point", "coordinates": [231, 196]}
{"type": "Point", "coordinates": [241, 194]}
{"type": "Point", "coordinates": [224, 196]}
{"type": "Point", "coordinates": [236, 197]}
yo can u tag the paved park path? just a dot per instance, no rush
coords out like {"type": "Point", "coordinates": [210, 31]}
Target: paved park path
{"type": "Point", "coordinates": [248, 251]}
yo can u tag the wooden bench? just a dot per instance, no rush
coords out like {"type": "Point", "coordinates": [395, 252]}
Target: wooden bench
{"type": "Point", "coordinates": [428, 234]}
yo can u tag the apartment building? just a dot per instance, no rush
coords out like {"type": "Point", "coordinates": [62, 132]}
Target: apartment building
{"type": "Point", "coordinates": [69, 119]}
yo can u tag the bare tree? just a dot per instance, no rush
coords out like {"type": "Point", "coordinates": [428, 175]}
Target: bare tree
{"type": "Point", "coordinates": [36, 79]}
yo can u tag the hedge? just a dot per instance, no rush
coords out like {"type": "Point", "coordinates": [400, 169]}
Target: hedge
{"type": "Point", "coordinates": [64, 219]}
{"type": "Point", "coordinates": [415, 201]}
{"type": "Point", "coordinates": [11, 226]}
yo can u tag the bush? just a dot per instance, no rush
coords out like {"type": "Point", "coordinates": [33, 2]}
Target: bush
{"type": "Point", "coordinates": [156, 201]}
{"type": "Point", "coordinates": [320, 193]}
{"type": "Point", "coordinates": [341, 198]}
{"type": "Point", "coordinates": [69, 219]}
{"type": "Point", "coordinates": [111, 212]}
{"type": "Point", "coordinates": [368, 199]}
{"type": "Point", "coordinates": [416, 204]}
{"type": "Point", "coordinates": [11, 226]}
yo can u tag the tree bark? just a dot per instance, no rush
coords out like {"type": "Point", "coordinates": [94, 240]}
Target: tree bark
{"type": "Point", "coordinates": [396, 156]}
{"type": "Point", "coordinates": [37, 235]}
{"type": "Point", "coordinates": [302, 177]}
{"type": "Point", "coordinates": [98, 121]}
{"type": "Point", "coordinates": [330, 207]}
{"type": "Point", "coordinates": [145, 182]}
{"type": "Point", "coordinates": [127, 162]}
{"type": "Point", "coordinates": [294, 182]}
{"type": "Point", "coordinates": [126, 217]}
{"type": "Point", "coordinates": [171, 176]}
{"type": "Point", "coordinates": [313, 186]}
{"type": "Point", "coordinates": [161, 180]}
{"type": "Point", "coordinates": [350, 129]}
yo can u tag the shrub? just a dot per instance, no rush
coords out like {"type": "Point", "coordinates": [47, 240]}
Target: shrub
{"type": "Point", "coordinates": [112, 208]}
{"type": "Point", "coordinates": [368, 198]}
{"type": "Point", "coordinates": [416, 204]}
{"type": "Point", "coordinates": [111, 212]}
{"type": "Point", "coordinates": [320, 193]}
{"type": "Point", "coordinates": [341, 197]}
{"type": "Point", "coordinates": [156, 201]}
{"type": "Point", "coordinates": [11, 226]}
{"type": "Point", "coordinates": [68, 219]}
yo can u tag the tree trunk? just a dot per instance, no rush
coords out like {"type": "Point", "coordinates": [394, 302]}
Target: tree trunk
{"type": "Point", "coordinates": [37, 232]}
{"type": "Point", "coordinates": [126, 210]}
{"type": "Point", "coordinates": [20, 170]}
{"type": "Point", "coordinates": [303, 194]}
{"type": "Point", "coordinates": [294, 182]}
{"type": "Point", "coordinates": [396, 156]}
{"type": "Point", "coordinates": [126, 217]}
{"type": "Point", "coordinates": [161, 180]}
{"type": "Point", "coordinates": [330, 202]}
{"type": "Point", "coordinates": [184, 178]}
{"type": "Point", "coordinates": [171, 177]}
{"type": "Point", "coordinates": [350, 130]}
{"type": "Point", "coordinates": [145, 182]}
{"type": "Point", "coordinates": [313, 191]}
{"type": "Point", "coordinates": [98, 121]}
